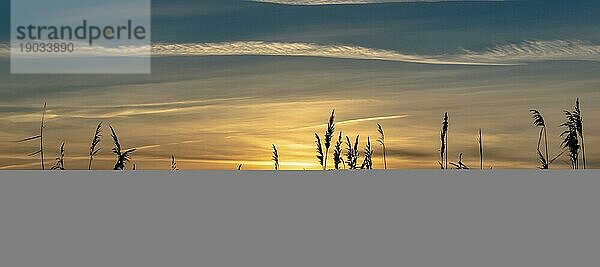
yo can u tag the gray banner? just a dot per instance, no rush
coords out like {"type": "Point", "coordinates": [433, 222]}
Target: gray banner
{"type": "Point", "coordinates": [264, 219]}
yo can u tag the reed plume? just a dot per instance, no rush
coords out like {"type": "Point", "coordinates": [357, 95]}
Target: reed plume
{"type": "Point", "coordinates": [122, 156]}
{"type": "Point", "coordinates": [320, 156]}
{"type": "Point", "coordinates": [95, 141]}
{"type": "Point", "coordinates": [381, 141]}
{"type": "Point", "coordinates": [578, 121]}
{"type": "Point", "coordinates": [60, 160]}
{"type": "Point", "coordinates": [337, 152]}
{"type": "Point", "coordinates": [328, 136]}
{"type": "Point", "coordinates": [276, 157]}
{"type": "Point", "coordinates": [444, 139]}
{"type": "Point", "coordinates": [368, 162]}
{"type": "Point", "coordinates": [352, 153]}
{"type": "Point", "coordinates": [173, 163]}
{"type": "Point", "coordinates": [538, 121]}
{"type": "Point", "coordinates": [571, 140]}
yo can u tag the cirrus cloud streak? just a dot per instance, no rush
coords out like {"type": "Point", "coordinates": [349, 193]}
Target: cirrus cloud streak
{"type": "Point", "coordinates": [509, 54]}
{"type": "Point", "coordinates": [259, 48]}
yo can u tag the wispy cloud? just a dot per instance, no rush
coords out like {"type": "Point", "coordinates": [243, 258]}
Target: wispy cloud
{"type": "Point", "coordinates": [115, 111]}
{"type": "Point", "coordinates": [503, 55]}
{"type": "Point", "coordinates": [351, 121]}
{"type": "Point", "coordinates": [347, 2]}
{"type": "Point", "coordinates": [303, 49]}
{"type": "Point", "coordinates": [529, 51]}
{"type": "Point", "coordinates": [510, 54]}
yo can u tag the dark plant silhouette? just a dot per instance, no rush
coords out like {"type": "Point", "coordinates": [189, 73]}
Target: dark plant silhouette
{"type": "Point", "coordinates": [544, 164]}
{"type": "Point", "coordinates": [573, 136]}
{"type": "Point", "coordinates": [40, 137]}
{"type": "Point", "coordinates": [381, 141]}
{"type": "Point", "coordinates": [95, 141]}
{"type": "Point", "coordinates": [571, 141]}
{"type": "Point", "coordinates": [239, 167]}
{"type": "Point", "coordinates": [60, 160]}
{"type": "Point", "coordinates": [444, 139]}
{"type": "Point", "coordinates": [460, 165]}
{"type": "Point", "coordinates": [352, 153]}
{"type": "Point", "coordinates": [173, 163]}
{"type": "Point", "coordinates": [320, 156]}
{"type": "Point", "coordinates": [329, 135]}
{"type": "Point", "coordinates": [337, 153]}
{"type": "Point", "coordinates": [276, 157]}
{"type": "Point", "coordinates": [577, 120]}
{"type": "Point", "coordinates": [323, 154]}
{"type": "Point", "coordinates": [538, 121]}
{"type": "Point", "coordinates": [480, 141]}
{"type": "Point", "coordinates": [42, 126]}
{"type": "Point", "coordinates": [368, 161]}
{"type": "Point", "coordinates": [122, 156]}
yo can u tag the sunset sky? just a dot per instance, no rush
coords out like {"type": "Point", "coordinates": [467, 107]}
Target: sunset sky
{"type": "Point", "coordinates": [231, 78]}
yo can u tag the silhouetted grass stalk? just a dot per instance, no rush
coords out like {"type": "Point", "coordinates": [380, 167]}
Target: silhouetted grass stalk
{"type": "Point", "coordinates": [328, 136]}
{"type": "Point", "coordinates": [571, 141]}
{"type": "Point", "coordinates": [276, 157]}
{"type": "Point", "coordinates": [173, 163]}
{"type": "Point", "coordinates": [60, 160]}
{"type": "Point", "coordinates": [320, 156]}
{"type": "Point", "coordinates": [381, 141]}
{"type": "Point", "coordinates": [480, 149]}
{"type": "Point", "coordinates": [40, 137]}
{"type": "Point", "coordinates": [444, 139]}
{"type": "Point", "coordinates": [122, 156]}
{"type": "Point", "coordinates": [337, 153]}
{"type": "Point", "coordinates": [352, 153]}
{"type": "Point", "coordinates": [578, 120]}
{"type": "Point", "coordinates": [368, 161]}
{"type": "Point", "coordinates": [460, 165]}
{"type": "Point", "coordinates": [95, 141]}
{"type": "Point", "coordinates": [538, 121]}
